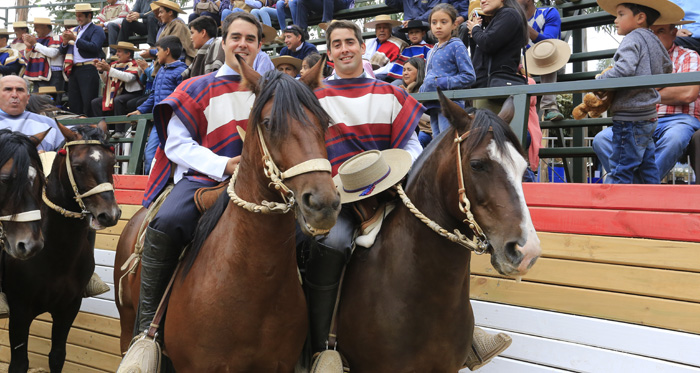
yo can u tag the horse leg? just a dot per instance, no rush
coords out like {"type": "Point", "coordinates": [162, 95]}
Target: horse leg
{"type": "Point", "coordinates": [62, 322]}
{"type": "Point", "coordinates": [19, 335]}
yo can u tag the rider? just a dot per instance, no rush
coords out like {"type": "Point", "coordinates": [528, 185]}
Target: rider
{"type": "Point", "coordinates": [388, 120]}
{"type": "Point", "coordinates": [203, 146]}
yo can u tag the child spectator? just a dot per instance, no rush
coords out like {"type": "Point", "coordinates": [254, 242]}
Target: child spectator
{"type": "Point", "coordinates": [169, 76]}
{"type": "Point", "coordinates": [415, 30]}
{"type": "Point", "coordinates": [448, 66]}
{"type": "Point", "coordinates": [634, 110]}
{"type": "Point", "coordinates": [146, 79]}
{"type": "Point", "coordinates": [296, 46]}
{"type": "Point", "coordinates": [411, 81]}
{"type": "Point", "coordinates": [203, 30]}
{"type": "Point", "coordinates": [111, 18]}
{"type": "Point", "coordinates": [310, 61]}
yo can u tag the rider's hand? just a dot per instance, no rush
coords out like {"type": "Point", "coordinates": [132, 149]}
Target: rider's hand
{"type": "Point", "coordinates": [231, 165]}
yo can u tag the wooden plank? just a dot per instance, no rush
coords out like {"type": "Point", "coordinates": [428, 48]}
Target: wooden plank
{"type": "Point", "coordinates": [42, 361]}
{"type": "Point", "coordinates": [104, 258]}
{"type": "Point", "coordinates": [659, 283]}
{"type": "Point", "coordinates": [106, 241]}
{"type": "Point", "coordinates": [507, 365]}
{"type": "Point", "coordinates": [129, 197]}
{"type": "Point", "coordinates": [663, 313]}
{"type": "Point", "coordinates": [100, 306]}
{"type": "Point", "coordinates": [79, 337]}
{"type": "Point", "coordinates": [678, 198]}
{"type": "Point", "coordinates": [93, 322]}
{"type": "Point", "coordinates": [656, 225]}
{"type": "Point", "coordinates": [116, 229]}
{"type": "Point", "coordinates": [131, 182]}
{"type": "Point", "coordinates": [128, 211]}
{"type": "Point", "coordinates": [684, 256]}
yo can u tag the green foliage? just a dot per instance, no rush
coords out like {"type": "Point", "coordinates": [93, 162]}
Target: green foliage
{"type": "Point", "coordinates": [604, 63]}
{"type": "Point", "coordinates": [566, 104]}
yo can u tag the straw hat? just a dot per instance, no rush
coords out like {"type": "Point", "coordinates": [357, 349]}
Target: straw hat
{"type": "Point", "coordinates": [269, 34]}
{"type": "Point", "coordinates": [48, 90]}
{"type": "Point", "coordinates": [475, 5]}
{"type": "Point", "coordinates": [167, 4]}
{"type": "Point", "coordinates": [124, 45]}
{"type": "Point", "coordinates": [289, 60]}
{"type": "Point", "coordinates": [18, 24]}
{"type": "Point", "coordinates": [42, 21]}
{"type": "Point", "coordinates": [547, 56]}
{"type": "Point", "coordinates": [4, 31]}
{"type": "Point", "coordinates": [382, 18]}
{"type": "Point", "coordinates": [670, 12]}
{"type": "Point", "coordinates": [370, 173]}
{"type": "Point", "coordinates": [83, 8]}
{"type": "Point", "coordinates": [414, 23]}
{"type": "Point", "coordinates": [69, 22]}
{"type": "Point", "coordinates": [324, 25]}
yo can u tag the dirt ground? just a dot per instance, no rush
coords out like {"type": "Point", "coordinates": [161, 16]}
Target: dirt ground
{"type": "Point", "coordinates": [3, 369]}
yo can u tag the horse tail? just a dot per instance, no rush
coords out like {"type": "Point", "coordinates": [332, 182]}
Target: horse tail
{"type": "Point", "coordinates": [205, 226]}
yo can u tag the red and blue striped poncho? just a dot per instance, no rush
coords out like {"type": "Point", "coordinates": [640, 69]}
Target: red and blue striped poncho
{"type": "Point", "coordinates": [207, 106]}
{"type": "Point", "coordinates": [38, 65]}
{"type": "Point", "coordinates": [368, 114]}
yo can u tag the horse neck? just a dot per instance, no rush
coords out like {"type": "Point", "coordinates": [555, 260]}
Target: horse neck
{"type": "Point", "coordinates": [60, 192]}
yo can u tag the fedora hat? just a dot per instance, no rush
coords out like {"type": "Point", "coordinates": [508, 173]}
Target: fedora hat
{"type": "Point", "coordinates": [382, 18]}
{"type": "Point", "coordinates": [42, 21]}
{"type": "Point", "coordinates": [83, 8]}
{"type": "Point", "coordinates": [124, 45]}
{"type": "Point", "coordinates": [547, 56]}
{"type": "Point", "coordinates": [475, 5]}
{"type": "Point", "coordinates": [289, 60]}
{"type": "Point", "coordinates": [414, 23]}
{"type": "Point", "coordinates": [669, 11]}
{"type": "Point", "coordinates": [371, 172]}
{"type": "Point", "coordinates": [48, 90]}
{"type": "Point", "coordinates": [4, 31]}
{"type": "Point", "coordinates": [167, 4]}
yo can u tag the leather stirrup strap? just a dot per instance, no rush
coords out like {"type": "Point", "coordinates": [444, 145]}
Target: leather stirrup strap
{"type": "Point", "coordinates": [333, 334]}
{"type": "Point", "coordinates": [155, 324]}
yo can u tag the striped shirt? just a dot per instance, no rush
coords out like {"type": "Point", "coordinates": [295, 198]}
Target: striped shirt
{"type": "Point", "coordinates": [684, 60]}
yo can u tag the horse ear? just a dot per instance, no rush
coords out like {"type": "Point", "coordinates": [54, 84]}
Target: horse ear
{"type": "Point", "coordinates": [67, 133]}
{"type": "Point", "coordinates": [39, 137]}
{"type": "Point", "coordinates": [248, 74]}
{"type": "Point", "coordinates": [102, 125]}
{"type": "Point", "coordinates": [458, 118]}
{"type": "Point", "coordinates": [507, 110]}
{"type": "Point", "coordinates": [314, 77]}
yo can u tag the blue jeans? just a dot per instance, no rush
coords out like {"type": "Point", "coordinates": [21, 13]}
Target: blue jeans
{"type": "Point", "coordinates": [633, 153]}
{"type": "Point", "coordinates": [284, 12]}
{"type": "Point", "coordinates": [328, 7]}
{"type": "Point", "coordinates": [226, 12]}
{"type": "Point", "coordinates": [424, 138]}
{"type": "Point", "coordinates": [438, 122]}
{"type": "Point", "coordinates": [671, 137]}
{"type": "Point", "coordinates": [151, 147]}
{"type": "Point", "coordinates": [264, 14]}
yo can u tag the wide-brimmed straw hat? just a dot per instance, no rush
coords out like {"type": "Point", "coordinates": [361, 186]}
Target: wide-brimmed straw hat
{"type": "Point", "coordinates": [370, 173]}
{"type": "Point", "coordinates": [289, 60]}
{"type": "Point", "coordinates": [83, 8]}
{"type": "Point", "coordinates": [547, 56]}
{"type": "Point", "coordinates": [4, 31]}
{"type": "Point", "coordinates": [269, 34]}
{"type": "Point", "coordinates": [382, 18]}
{"type": "Point", "coordinates": [475, 5]}
{"type": "Point", "coordinates": [124, 45]}
{"type": "Point", "coordinates": [48, 90]}
{"type": "Point", "coordinates": [19, 24]}
{"type": "Point", "coordinates": [42, 21]}
{"type": "Point", "coordinates": [167, 4]}
{"type": "Point", "coordinates": [68, 22]}
{"type": "Point", "coordinates": [414, 23]}
{"type": "Point", "coordinates": [669, 11]}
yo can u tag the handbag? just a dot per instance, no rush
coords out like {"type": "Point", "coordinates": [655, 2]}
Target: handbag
{"type": "Point", "coordinates": [206, 6]}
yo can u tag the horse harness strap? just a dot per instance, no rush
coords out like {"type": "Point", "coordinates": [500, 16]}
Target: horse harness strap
{"type": "Point", "coordinates": [22, 217]}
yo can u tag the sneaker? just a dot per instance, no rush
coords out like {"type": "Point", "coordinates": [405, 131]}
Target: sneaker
{"type": "Point", "coordinates": [553, 115]}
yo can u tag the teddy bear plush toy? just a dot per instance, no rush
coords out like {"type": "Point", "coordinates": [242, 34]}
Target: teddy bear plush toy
{"type": "Point", "coordinates": [594, 103]}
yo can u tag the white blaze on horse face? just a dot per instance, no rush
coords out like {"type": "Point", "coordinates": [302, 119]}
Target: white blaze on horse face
{"type": "Point", "coordinates": [514, 165]}
{"type": "Point", "coordinates": [96, 155]}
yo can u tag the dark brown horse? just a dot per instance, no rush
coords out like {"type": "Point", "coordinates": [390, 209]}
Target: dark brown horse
{"type": "Point", "coordinates": [239, 307]}
{"type": "Point", "coordinates": [81, 194]}
{"type": "Point", "coordinates": [21, 182]}
{"type": "Point", "coordinates": [405, 302]}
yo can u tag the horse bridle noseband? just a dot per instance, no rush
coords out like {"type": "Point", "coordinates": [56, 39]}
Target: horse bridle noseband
{"type": "Point", "coordinates": [22, 217]}
{"type": "Point", "coordinates": [104, 187]}
{"type": "Point", "coordinates": [478, 243]}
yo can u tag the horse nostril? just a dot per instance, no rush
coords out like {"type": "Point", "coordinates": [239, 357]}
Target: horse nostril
{"type": "Point", "coordinates": [513, 253]}
{"type": "Point", "coordinates": [21, 247]}
{"type": "Point", "coordinates": [309, 201]}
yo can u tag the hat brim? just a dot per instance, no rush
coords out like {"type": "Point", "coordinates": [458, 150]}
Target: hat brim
{"type": "Point", "coordinates": [157, 4]}
{"type": "Point", "coordinates": [269, 34]}
{"type": "Point", "coordinates": [50, 93]}
{"type": "Point", "coordinates": [405, 29]}
{"type": "Point", "coordinates": [117, 46]}
{"type": "Point", "coordinates": [83, 11]}
{"type": "Point", "coordinates": [289, 60]}
{"type": "Point", "coordinates": [670, 12]}
{"type": "Point", "coordinates": [43, 23]}
{"type": "Point", "coordinates": [563, 55]}
{"type": "Point", "coordinates": [392, 22]}
{"type": "Point", "coordinates": [400, 162]}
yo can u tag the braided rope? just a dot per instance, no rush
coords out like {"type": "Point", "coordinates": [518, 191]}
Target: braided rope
{"type": "Point", "coordinates": [59, 209]}
{"type": "Point", "coordinates": [265, 207]}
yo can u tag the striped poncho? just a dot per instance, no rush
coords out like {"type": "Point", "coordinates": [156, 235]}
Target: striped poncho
{"type": "Point", "coordinates": [39, 65]}
{"type": "Point", "coordinates": [114, 86]}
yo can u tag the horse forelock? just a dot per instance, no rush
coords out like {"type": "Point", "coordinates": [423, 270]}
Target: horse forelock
{"type": "Point", "coordinates": [486, 122]}
{"type": "Point", "coordinates": [25, 158]}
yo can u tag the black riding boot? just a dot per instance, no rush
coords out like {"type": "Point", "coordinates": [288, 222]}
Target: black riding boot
{"type": "Point", "coordinates": [158, 263]}
{"type": "Point", "coordinates": [323, 270]}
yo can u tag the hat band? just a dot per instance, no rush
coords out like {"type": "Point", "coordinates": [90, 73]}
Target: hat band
{"type": "Point", "coordinates": [368, 188]}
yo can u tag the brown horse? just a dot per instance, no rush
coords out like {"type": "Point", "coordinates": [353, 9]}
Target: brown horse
{"type": "Point", "coordinates": [21, 182]}
{"type": "Point", "coordinates": [79, 197]}
{"type": "Point", "coordinates": [239, 307]}
{"type": "Point", "coordinates": [405, 302]}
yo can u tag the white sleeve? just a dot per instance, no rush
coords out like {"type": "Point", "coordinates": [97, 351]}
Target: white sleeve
{"type": "Point", "coordinates": [122, 75]}
{"type": "Point", "coordinates": [188, 154]}
{"type": "Point", "coordinates": [50, 52]}
{"type": "Point", "coordinates": [413, 146]}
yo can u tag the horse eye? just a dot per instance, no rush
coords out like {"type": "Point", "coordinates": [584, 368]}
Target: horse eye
{"type": "Point", "coordinates": [266, 122]}
{"type": "Point", "coordinates": [477, 165]}
{"type": "Point", "coordinates": [78, 168]}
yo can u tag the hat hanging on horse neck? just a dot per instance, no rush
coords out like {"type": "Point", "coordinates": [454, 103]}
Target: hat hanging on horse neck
{"type": "Point", "coordinates": [371, 172]}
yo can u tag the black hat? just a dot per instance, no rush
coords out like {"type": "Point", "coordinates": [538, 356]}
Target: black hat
{"type": "Point", "coordinates": [414, 23]}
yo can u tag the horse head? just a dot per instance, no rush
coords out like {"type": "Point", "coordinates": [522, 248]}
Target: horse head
{"type": "Point", "coordinates": [288, 118]}
{"type": "Point", "coordinates": [492, 165]}
{"type": "Point", "coordinates": [85, 167]}
{"type": "Point", "coordinates": [21, 182]}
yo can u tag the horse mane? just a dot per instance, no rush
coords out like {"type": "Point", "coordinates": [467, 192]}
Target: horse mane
{"type": "Point", "coordinates": [90, 132]}
{"type": "Point", "coordinates": [18, 147]}
{"type": "Point", "coordinates": [289, 99]}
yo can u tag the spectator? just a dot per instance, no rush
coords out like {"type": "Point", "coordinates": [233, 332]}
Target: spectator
{"type": "Point", "coordinates": [121, 84]}
{"type": "Point", "coordinates": [415, 30]}
{"type": "Point", "coordinates": [167, 79]}
{"type": "Point", "coordinates": [288, 65]}
{"type": "Point", "coordinates": [286, 9]}
{"type": "Point", "coordinates": [261, 64]}
{"type": "Point", "coordinates": [82, 46]}
{"type": "Point", "coordinates": [310, 61]}
{"type": "Point", "coordinates": [411, 80]}
{"type": "Point", "coordinates": [326, 8]}
{"type": "Point", "coordinates": [205, 8]}
{"type": "Point", "coordinates": [448, 66]}
{"type": "Point", "coordinates": [366, 65]}
{"type": "Point", "coordinates": [679, 111]}
{"type": "Point", "coordinates": [20, 28]}
{"type": "Point", "coordinates": [146, 78]}
{"type": "Point", "coordinates": [111, 18]}
{"type": "Point", "coordinates": [43, 103]}
{"type": "Point", "coordinates": [203, 31]}
{"type": "Point", "coordinates": [414, 10]}
{"type": "Point", "coordinates": [131, 25]}
{"type": "Point", "coordinates": [167, 12]}
{"type": "Point", "coordinates": [296, 46]}
{"type": "Point", "coordinates": [44, 59]}
{"type": "Point", "coordinates": [11, 62]}
{"type": "Point", "coordinates": [383, 50]}
{"type": "Point", "coordinates": [689, 35]}
{"type": "Point", "coordinates": [14, 96]}
{"type": "Point", "coordinates": [266, 12]}
{"type": "Point", "coordinates": [634, 110]}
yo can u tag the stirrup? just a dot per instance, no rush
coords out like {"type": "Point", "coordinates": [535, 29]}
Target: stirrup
{"type": "Point", "coordinates": [485, 347]}
{"type": "Point", "coordinates": [143, 356]}
{"type": "Point", "coordinates": [4, 306]}
{"type": "Point", "coordinates": [328, 361]}
{"type": "Point", "coordinates": [95, 287]}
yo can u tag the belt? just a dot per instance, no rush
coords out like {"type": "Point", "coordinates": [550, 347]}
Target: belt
{"type": "Point", "coordinates": [83, 63]}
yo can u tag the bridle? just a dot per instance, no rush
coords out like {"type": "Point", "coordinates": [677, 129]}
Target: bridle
{"type": "Point", "coordinates": [478, 243]}
{"type": "Point", "coordinates": [22, 217]}
{"type": "Point", "coordinates": [104, 187]}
